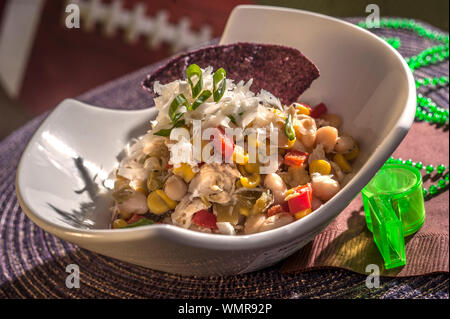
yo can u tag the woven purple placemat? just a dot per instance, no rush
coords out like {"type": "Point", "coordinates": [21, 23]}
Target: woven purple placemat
{"type": "Point", "coordinates": [33, 262]}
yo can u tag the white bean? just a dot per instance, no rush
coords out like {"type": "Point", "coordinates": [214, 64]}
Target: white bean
{"type": "Point", "coordinates": [308, 140]}
{"type": "Point", "coordinates": [327, 136]}
{"type": "Point", "coordinates": [226, 228]}
{"type": "Point", "coordinates": [153, 164]}
{"type": "Point", "coordinates": [276, 221]}
{"type": "Point", "coordinates": [260, 223]}
{"type": "Point", "coordinates": [175, 187]}
{"type": "Point", "coordinates": [276, 184]}
{"type": "Point", "coordinates": [324, 187]}
{"type": "Point", "coordinates": [253, 223]}
{"type": "Point", "coordinates": [136, 204]}
{"type": "Point", "coordinates": [344, 144]}
{"type": "Point", "coordinates": [306, 129]}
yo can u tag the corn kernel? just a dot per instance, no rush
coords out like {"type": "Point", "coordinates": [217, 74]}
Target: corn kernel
{"type": "Point", "coordinates": [251, 182]}
{"type": "Point", "coordinates": [119, 223]}
{"type": "Point", "coordinates": [352, 154]}
{"type": "Point", "coordinates": [302, 213]}
{"type": "Point", "coordinates": [289, 192]}
{"type": "Point", "coordinates": [291, 195]}
{"type": "Point", "coordinates": [342, 162]}
{"type": "Point", "coordinates": [252, 168]}
{"type": "Point", "coordinates": [156, 204]}
{"type": "Point", "coordinates": [320, 166]}
{"type": "Point", "coordinates": [289, 144]}
{"type": "Point", "coordinates": [170, 202]}
{"type": "Point", "coordinates": [139, 186]}
{"type": "Point", "coordinates": [301, 109]}
{"type": "Point", "coordinates": [185, 171]}
{"type": "Point", "coordinates": [240, 157]}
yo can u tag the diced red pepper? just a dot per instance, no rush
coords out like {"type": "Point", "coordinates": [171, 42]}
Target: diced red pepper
{"type": "Point", "coordinates": [304, 188]}
{"type": "Point", "coordinates": [204, 218]}
{"type": "Point", "coordinates": [134, 218]}
{"type": "Point", "coordinates": [319, 110]}
{"type": "Point", "coordinates": [302, 201]}
{"type": "Point", "coordinates": [223, 143]}
{"type": "Point", "coordinates": [295, 158]}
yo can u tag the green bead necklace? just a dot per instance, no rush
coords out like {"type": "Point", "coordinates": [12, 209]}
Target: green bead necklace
{"type": "Point", "coordinates": [441, 183]}
{"type": "Point", "coordinates": [432, 55]}
{"type": "Point", "coordinates": [436, 82]}
{"type": "Point", "coordinates": [427, 110]}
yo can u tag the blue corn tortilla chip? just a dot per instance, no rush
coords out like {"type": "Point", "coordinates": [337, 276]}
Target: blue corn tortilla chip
{"type": "Point", "coordinates": [285, 72]}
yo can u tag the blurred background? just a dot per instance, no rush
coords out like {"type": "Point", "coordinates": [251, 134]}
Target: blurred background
{"type": "Point", "coordinates": [42, 61]}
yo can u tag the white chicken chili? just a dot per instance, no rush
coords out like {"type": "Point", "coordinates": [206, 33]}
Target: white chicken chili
{"type": "Point", "coordinates": [222, 159]}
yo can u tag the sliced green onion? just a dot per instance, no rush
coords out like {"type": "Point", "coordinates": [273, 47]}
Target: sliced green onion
{"type": "Point", "coordinates": [180, 123]}
{"type": "Point", "coordinates": [178, 101]}
{"type": "Point", "coordinates": [141, 222]}
{"type": "Point", "coordinates": [219, 78]}
{"type": "Point", "coordinates": [201, 99]}
{"type": "Point", "coordinates": [194, 70]}
{"type": "Point", "coordinates": [232, 119]}
{"type": "Point", "coordinates": [166, 131]}
{"type": "Point", "coordinates": [289, 128]}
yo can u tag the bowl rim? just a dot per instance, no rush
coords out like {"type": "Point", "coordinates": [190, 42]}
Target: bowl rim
{"type": "Point", "coordinates": [271, 238]}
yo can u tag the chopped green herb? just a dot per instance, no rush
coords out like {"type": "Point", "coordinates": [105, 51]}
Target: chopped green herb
{"type": "Point", "coordinates": [289, 128]}
{"type": "Point", "coordinates": [201, 99]}
{"type": "Point", "coordinates": [180, 123]}
{"type": "Point", "coordinates": [178, 101]}
{"type": "Point", "coordinates": [219, 79]}
{"type": "Point", "coordinates": [164, 132]}
{"type": "Point", "coordinates": [219, 86]}
{"type": "Point", "coordinates": [191, 71]}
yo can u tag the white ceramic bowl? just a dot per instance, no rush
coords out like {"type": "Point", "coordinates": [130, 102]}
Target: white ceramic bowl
{"type": "Point", "coordinates": [362, 78]}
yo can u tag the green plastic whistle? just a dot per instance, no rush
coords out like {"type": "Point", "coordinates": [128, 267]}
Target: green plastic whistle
{"type": "Point", "coordinates": [394, 208]}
